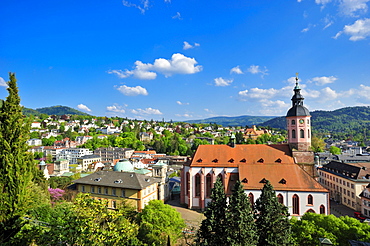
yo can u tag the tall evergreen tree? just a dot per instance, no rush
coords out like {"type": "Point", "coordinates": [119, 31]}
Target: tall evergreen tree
{"type": "Point", "coordinates": [241, 228]}
{"type": "Point", "coordinates": [213, 228]}
{"type": "Point", "coordinates": [271, 219]}
{"type": "Point", "coordinates": [16, 165]}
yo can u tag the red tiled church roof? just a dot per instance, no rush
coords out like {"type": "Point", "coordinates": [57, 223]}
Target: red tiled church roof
{"type": "Point", "coordinates": [256, 162]}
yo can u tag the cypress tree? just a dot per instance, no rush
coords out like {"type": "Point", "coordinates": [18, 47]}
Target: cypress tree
{"type": "Point", "coordinates": [16, 165]}
{"type": "Point", "coordinates": [241, 228]}
{"type": "Point", "coordinates": [213, 228]}
{"type": "Point", "coordinates": [271, 219]}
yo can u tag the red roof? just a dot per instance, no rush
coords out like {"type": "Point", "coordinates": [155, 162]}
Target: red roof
{"type": "Point", "coordinates": [256, 162]}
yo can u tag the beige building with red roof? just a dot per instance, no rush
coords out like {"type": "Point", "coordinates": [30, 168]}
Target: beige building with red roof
{"type": "Point", "coordinates": [284, 165]}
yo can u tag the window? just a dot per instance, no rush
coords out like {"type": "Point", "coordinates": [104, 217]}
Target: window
{"type": "Point", "coordinates": [208, 185]}
{"type": "Point", "coordinates": [347, 184]}
{"type": "Point", "coordinates": [293, 133]}
{"type": "Point", "coordinates": [197, 184]}
{"type": "Point", "coordinates": [353, 195]}
{"type": "Point", "coordinates": [340, 189]}
{"type": "Point", "coordinates": [344, 182]}
{"type": "Point", "coordinates": [301, 133]}
{"type": "Point", "coordinates": [308, 121]}
{"type": "Point", "coordinates": [99, 190]}
{"type": "Point", "coordinates": [251, 199]}
{"type": "Point", "coordinates": [123, 193]}
{"type": "Point", "coordinates": [348, 193]}
{"type": "Point", "coordinates": [308, 133]}
{"type": "Point", "coordinates": [187, 183]}
{"type": "Point", "coordinates": [220, 177]}
{"type": "Point", "coordinates": [293, 122]}
{"type": "Point", "coordinates": [344, 191]}
{"type": "Point", "coordinates": [340, 181]}
{"type": "Point", "coordinates": [280, 198]}
{"type": "Point", "coordinates": [310, 200]}
{"type": "Point", "coordinates": [106, 191]}
{"type": "Point", "coordinates": [83, 188]}
{"type": "Point", "coordinates": [92, 189]}
{"type": "Point", "coordinates": [322, 209]}
{"type": "Point", "coordinates": [295, 204]}
{"type": "Point", "coordinates": [114, 204]}
{"type": "Point", "coordinates": [113, 192]}
{"type": "Point", "coordinates": [352, 186]}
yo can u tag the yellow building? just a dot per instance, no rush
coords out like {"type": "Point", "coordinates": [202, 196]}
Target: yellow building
{"type": "Point", "coordinates": [136, 189]}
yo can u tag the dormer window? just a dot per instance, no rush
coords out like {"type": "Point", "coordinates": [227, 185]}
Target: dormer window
{"type": "Point", "coordinates": [263, 181]}
{"type": "Point", "coordinates": [260, 160]}
{"type": "Point", "coordinates": [243, 160]}
{"type": "Point", "coordinates": [199, 160]}
{"type": "Point", "coordinates": [97, 180]}
{"type": "Point", "coordinates": [245, 180]}
{"type": "Point", "coordinates": [282, 181]}
{"type": "Point", "coordinates": [118, 181]}
{"type": "Point", "coordinates": [215, 160]}
{"type": "Point", "coordinates": [278, 160]}
{"type": "Point", "coordinates": [231, 160]}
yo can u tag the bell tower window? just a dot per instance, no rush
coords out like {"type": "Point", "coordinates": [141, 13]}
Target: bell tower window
{"type": "Point", "coordinates": [293, 133]}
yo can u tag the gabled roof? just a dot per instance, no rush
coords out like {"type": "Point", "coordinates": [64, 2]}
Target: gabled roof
{"type": "Point", "coordinates": [258, 162]}
{"type": "Point", "coordinates": [127, 180]}
{"type": "Point", "coordinates": [226, 156]}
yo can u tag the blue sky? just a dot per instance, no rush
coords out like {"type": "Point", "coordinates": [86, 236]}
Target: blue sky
{"type": "Point", "coordinates": [186, 59]}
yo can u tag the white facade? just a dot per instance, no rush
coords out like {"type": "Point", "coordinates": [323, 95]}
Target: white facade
{"type": "Point", "coordinates": [34, 142]}
{"type": "Point", "coordinates": [73, 154]}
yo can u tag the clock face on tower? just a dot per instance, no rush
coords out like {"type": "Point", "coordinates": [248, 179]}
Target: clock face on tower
{"type": "Point", "coordinates": [301, 121]}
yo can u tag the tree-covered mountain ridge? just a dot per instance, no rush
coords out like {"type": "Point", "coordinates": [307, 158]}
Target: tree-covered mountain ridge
{"type": "Point", "coordinates": [53, 110]}
{"type": "Point", "coordinates": [350, 120]}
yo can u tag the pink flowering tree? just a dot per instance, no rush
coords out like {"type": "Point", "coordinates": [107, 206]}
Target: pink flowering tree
{"type": "Point", "coordinates": [56, 194]}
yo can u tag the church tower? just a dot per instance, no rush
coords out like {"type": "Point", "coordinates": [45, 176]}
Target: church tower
{"type": "Point", "coordinates": [298, 121]}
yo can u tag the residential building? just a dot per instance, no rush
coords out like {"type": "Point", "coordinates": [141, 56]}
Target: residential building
{"type": "Point", "coordinates": [112, 153]}
{"type": "Point", "coordinates": [136, 189]}
{"type": "Point", "coordinates": [253, 133]}
{"type": "Point", "coordinates": [34, 142]}
{"type": "Point", "coordinates": [72, 154]}
{"type": "Point", "coordinates": [61, 166]}
{"type": "Point", "coordinates": [86, 160]}
{"type": "Point", "coordinates": [365, 201]}
{"type": "Point", "coordinates": [288, 167]}
{"type": "Point", "coordinates": [345, 181]}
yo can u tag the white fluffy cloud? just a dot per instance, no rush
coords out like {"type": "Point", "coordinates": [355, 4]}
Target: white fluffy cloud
{"type": "Point", "coordinates": [350, 7]}
{"type": "Point", "coordinates": [253, 69]}
{"type": "Point", "coordinates": [2, 82]}
{"type": "Point", "coordinates": [189, 46]}
{"type": "Point", "coordinates": [236, 70]}
{"type": "Point", "coordinates": [132, 91]}
{"type": "Point", "coordinates": [257, 93]}
{"type": "Point", "coordinates": [181, 103]}
{"type": "Point", "coordinates": [324, 80]}
{"type": "Point", "coordinates": [357, 31]}
{"type": "Point", "coordinates": [146, 111]}
{"type": "Point", "coordinates": [222, 82]}
{"type": "Point", "coordinates": [116, 109]}
{"type": "Point", "coordinates": [178, 64]}
{"type": "Point", "coordinates": [83, 107]}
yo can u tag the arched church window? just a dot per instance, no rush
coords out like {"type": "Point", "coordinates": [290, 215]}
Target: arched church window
{"type": "Point", "coordinates": [308, 121]}
{"type": "Point", "coordinates": [197, 184]}
{"type": "Point", "coordinates": [295, 204]}
{"type": "Point", "coordinates": [301, 132]}
{"type": "Point", "coordinates": [308, 133]}
{"type": "Point", "coordinates": [208, 185]}
{"type": "Point", "coordinates": [293, 133]}
{"type": "Point", "coordinates": [280, 198]}
{"type": "Point", "coordinates": [322, 209]}
{"type": "Point", "coordinates": [187, 183]}
{"type": "Point", "coordinates": [251, 199]}
{"type": "Point", "coordinates": [293, 122]}
{"type": "Point", "coordinates": [220, 177]}
{"type": "Point", "coordinates": [310, 200]}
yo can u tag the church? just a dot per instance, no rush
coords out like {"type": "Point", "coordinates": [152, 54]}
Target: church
{"type": "Point", "coordinates": [289, 168]}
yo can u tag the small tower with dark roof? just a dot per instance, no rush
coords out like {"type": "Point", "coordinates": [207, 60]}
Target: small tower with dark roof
{"type": "Point", "coordinates": [298, 122]}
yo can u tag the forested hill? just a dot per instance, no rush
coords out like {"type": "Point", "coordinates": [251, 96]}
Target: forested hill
{"type": "Point", "coordinates": [350, 120]}
{"type": "Point", "coordinates": [54, 110]}
{"type": "Point", "coordinates": [244, 120]}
